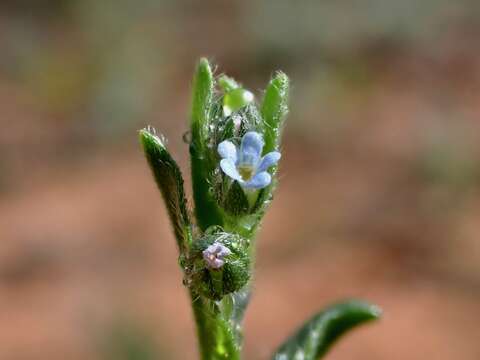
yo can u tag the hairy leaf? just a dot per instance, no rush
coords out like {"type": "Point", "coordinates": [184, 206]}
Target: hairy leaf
{"type": "Point", "coordinates": [170, 182]}
{"type": "Point", "coordinates": [206, 209]}
{"type": "Point", "coordinates": [203, 86]}
{"type": "Point", "coordinates": [318, 334]}
{"type": "Point", "coordinates": [273, 110]}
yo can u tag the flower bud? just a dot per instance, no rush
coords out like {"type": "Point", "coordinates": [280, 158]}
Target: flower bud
{"type": "Point", "coordinates": [218, 264]}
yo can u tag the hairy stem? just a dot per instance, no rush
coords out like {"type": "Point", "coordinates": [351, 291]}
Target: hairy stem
{"type": "Point", "coordinates": [216, 336]}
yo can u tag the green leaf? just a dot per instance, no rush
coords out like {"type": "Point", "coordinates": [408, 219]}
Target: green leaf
{"type": "Point", "coordinates": [169, 179]}
{"type": "Point", "coordinates": [273, 110]}
{"type": "Point", "coordinates": [203, 86]}
{"type": "Point", "coordinates": [206, 209]}
{"type": "Point", "coordinates": [318, 334]}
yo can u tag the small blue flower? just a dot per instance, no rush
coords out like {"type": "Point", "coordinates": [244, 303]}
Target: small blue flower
{"type": "Point", "coordinates": [245, 164]}
{"type": "Point", "coordinates": [214, 255]}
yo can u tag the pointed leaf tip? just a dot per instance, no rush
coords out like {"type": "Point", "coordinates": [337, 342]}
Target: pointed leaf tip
{"type": "Point", "coordinates": [274, 109]}
{"type": "Point", "coordinates": [169, 180]}
{"type": "Point", "coordinates": [203, 87]}
{"type": "Point", "coordinates": [149, 138]}
{"type": "Point", "coordinates": [318, 334]}
{"type": "Point", "coordinates": [206, 209]}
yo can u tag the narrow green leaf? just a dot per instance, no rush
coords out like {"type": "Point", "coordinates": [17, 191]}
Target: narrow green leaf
{"type": "Point", "coordinates": [206, 209]}
{"type": "Point", "coordinates": [318, 334]}
{"type": "Point", "coordinates": [169, 179]}
{"type": "Point", "coordinates": [203, 86]}
{"type": "Point", "coordinates": [274, 108]}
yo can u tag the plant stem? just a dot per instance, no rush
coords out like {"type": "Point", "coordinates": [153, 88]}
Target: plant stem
{"type": "Point", "coordinates": [215, 335]}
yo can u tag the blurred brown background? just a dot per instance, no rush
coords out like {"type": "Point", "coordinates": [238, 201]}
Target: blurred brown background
{"type": "Point", "coordinates": [380, 180]}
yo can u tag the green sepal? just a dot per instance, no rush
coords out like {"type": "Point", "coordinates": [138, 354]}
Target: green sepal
{"type": "Point", "coordinates": [251, 120]}
{"type": "Point", "coordinates": [274, 109]}
{"type": "Point", "coordinates": [227, 131]}
{"type": "Point", "coordinates": [264, 197]}
{"type": "Point", "coordinates": [236, 202]}
{"type": "Point", "coordinates": [318, 334]}
{"type": "Point", "coordinates": [169, 180]}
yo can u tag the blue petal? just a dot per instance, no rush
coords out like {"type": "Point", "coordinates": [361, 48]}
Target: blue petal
{"type": "Point", "coordinates": [251, 148]}
{"type": "Point", "coordinates": [269, 160]}
{"type": "Point", "coordinates": [228, 167]}
{"type": "Point", "coordinates": [227, 150]}
{"type": "Point", "coordinates": [259, 181]}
